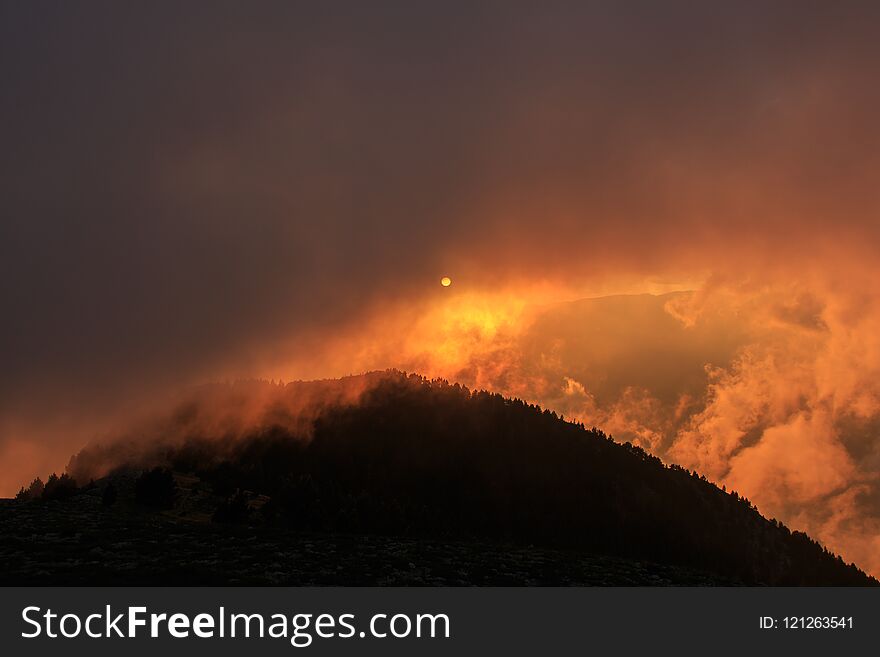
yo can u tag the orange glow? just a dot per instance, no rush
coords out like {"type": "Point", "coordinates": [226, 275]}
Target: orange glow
{"type": "Point", "coordinates": [725, 378]}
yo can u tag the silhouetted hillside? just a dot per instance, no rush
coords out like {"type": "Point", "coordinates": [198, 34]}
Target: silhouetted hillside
{"type": "Point", "coordinates": [431, 461]}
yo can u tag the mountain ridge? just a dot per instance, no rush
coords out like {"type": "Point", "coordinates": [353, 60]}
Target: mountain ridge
{"type": "Point", "coordinates": [391, 454]}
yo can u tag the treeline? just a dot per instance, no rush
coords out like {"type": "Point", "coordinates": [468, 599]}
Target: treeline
{"type": "Point", "coordinates": [55, 488]}
{"type": "Point", "coordinates": [429, 458]}
{"type": "Point", "coordinates": [154, 488]}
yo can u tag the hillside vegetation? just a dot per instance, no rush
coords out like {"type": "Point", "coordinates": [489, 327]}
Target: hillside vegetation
{"type": "Point", "coordinates": [433, 461]}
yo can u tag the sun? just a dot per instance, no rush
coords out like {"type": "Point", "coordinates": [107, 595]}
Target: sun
{"type": "Point", "coordinates": [446, 281]}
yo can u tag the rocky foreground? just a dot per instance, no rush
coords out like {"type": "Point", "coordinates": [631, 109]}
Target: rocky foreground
{"type": "Point", "coordinates": [81, 542]}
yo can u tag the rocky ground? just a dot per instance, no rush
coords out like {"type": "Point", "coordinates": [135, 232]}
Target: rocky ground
{"type": "Point", "coordinates": [79, 541]}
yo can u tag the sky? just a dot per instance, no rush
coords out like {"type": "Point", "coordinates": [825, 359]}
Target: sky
{"type": "Point", "coordinates": [197, 193]}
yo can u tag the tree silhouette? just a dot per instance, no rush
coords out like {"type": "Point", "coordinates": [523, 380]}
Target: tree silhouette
{"type": "Point", "coordinates": [33, 492]}
{"type": "Point", "coordinates": [59, 488]}
{"type": "Point", "coordinates": [156, 488]}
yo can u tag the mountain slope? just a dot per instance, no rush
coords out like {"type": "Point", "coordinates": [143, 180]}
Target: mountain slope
{"type": "Point", "coordinates": [431, 461]}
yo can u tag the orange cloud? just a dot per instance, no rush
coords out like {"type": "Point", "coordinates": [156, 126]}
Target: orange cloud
{"type": "Point", "coordinates": [769, 386]}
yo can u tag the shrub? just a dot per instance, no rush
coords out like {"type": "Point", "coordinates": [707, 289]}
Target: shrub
{"type": "Point", "coordinates": [156, 488]}
{"type": "Point", "coordinates": [233, 510]}
{"type": "Point", "coordinates": [110, 495]}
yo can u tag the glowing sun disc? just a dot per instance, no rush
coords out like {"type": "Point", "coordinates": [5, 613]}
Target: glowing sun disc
{"type": "Point", "coordinates": [446, 281]}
